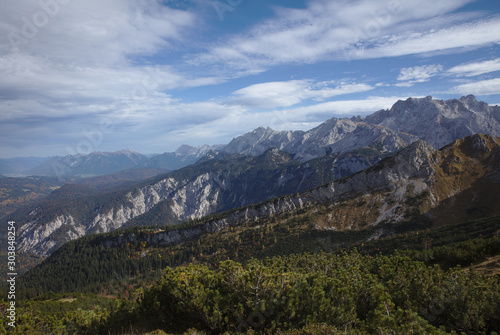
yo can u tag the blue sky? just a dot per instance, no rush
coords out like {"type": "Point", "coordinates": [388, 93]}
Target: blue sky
{"type": "Point", "coordinates": [98, 75]}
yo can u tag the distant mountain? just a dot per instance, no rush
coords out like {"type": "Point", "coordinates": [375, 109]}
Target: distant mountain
{"type": "Point", "coordinates": [439, 122]}
{"type": "Point", "coordinates": [95, 163]}
{"type": "Point", "coordinates": [262, 139]}
{"type": "Point", "coordinates": [333, 136]}
{"type": "Point", "coordinates": [19, 165]}
{"type": "Point", "coordinates": [104, 163]}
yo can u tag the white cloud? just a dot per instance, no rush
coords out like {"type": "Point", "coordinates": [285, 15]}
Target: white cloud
{"type": "Point", "coordinates": [483, 87]}
{"type": "Point", "coordinates": [344, 30]}
{"type": "Point", "coordinates": [90, 33]}
{"type": "Point", "coordinates": [418, 74]}
{"type": "Point", "coordinates": [84, 89]}
{"type": "Point", "coordinates": [289, 93]}
{"type": "Point", "coordinates": [456, 38]}
{"type": "Point", "coordinates": [407, 84]}
{"type": "Point", "coordinates": [63, 77]}
{"type": "Point", "coordinates": [77, 58]}
{"type": "Point", "coordinates": [475, 69]}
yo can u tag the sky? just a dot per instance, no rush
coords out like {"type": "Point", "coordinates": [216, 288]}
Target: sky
{"type": "Point", "coordinates": [78, 76]}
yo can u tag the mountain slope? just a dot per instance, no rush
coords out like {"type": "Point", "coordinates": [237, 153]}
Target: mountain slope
{"type": "Point", "coordinates": [218, 182]}
{"type": "Point", "coordinates": [440, 122]}
{"type": "Point", "coordinates": [412, 185]}
{"type": "Point", "coordinates": [17, 192]}
{"type": "Point", "coordinates": [414, 182]}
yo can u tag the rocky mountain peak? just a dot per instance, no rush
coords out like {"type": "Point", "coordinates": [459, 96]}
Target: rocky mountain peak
{"type": "Point", "coordinates": [259, 140]}
{"type": "Point", "coordinates": [469, 99]}
{"type": "Point", "coordinates": [333, 136]}
{"type": "Point", "coordinates": [439, 122]}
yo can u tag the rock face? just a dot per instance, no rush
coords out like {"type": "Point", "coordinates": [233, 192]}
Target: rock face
{"type": "Point", "coordinates": [213, 185]}
{"type": "Point", "coordinates": [262, 139]}
{"type": "Point", "coordinates": [440, 122]}
{"type": "Point", "coordinates": [334, 136]}
{"type": "Point", "coordinates": [188, 199]}
{"type": "Point", "coordinates": [343, 135]}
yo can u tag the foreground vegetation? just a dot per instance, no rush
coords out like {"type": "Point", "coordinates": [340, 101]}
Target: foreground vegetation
{"type": "Point", "coordinates": [346, 291]}
{"type": "Point", "coordinates": [321, 293]}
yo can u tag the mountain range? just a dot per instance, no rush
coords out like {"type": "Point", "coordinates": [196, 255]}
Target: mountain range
{"type": "Point", "coordinates": [334, 136]}
{"type": "Point", "coordinates": [266, 164]}
{"type": "Point", "coordinates": [69, 167]}
{"type": "Point", "coordinates": [437, 122]}
{"type": "Point", "coordinates": [451, 185]}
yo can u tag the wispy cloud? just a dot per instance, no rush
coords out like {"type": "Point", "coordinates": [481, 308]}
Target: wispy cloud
{"type": "Point", "coordinates": [341, 30]}
{"type": "Point", "coordinates": [289, 93]}
{"type": "Point", "coordinates": [84, 89]}
{"type": "Point", "coordinates": [91, 32]}
{"type": "Point", "coordinates": [83, 53]}
{"type": "Point", "coordinates": [476, 68]}
{"type": "Point", "coordinates": [456, 38]}
{"type": "Point", "coordinates": [69, 65]}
